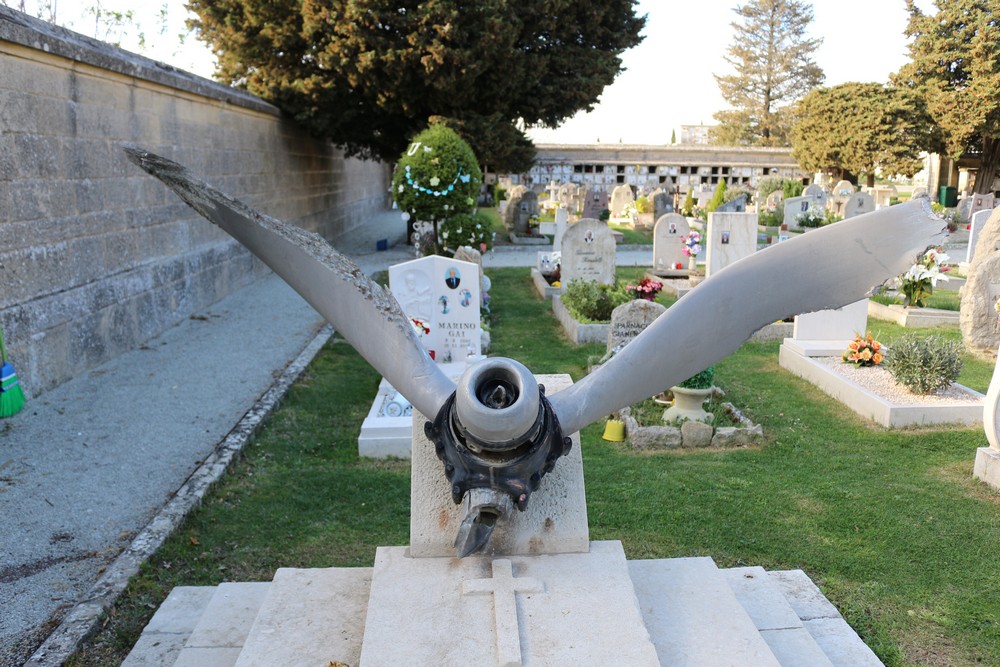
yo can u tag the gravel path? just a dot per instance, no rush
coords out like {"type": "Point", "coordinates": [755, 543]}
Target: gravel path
{"type": "Point", "coordinates": [879, 381]}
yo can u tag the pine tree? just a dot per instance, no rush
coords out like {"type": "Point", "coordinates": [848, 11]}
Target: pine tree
{"type": "Point", "coordinates": [772, 58]}
{"type": "Point", "coordinates": [718, 197]}
{"type": "Point", "coordinates": [955, 65]}
{"type": "Point", "coordinates": [369, 74]}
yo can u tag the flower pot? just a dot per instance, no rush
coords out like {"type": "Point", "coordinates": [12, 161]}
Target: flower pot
{"type": "Point", "coordinates": [688, 405]}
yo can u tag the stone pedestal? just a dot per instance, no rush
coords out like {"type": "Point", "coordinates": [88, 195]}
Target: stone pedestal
{"type": "Point", "coordinates": [987, 467]}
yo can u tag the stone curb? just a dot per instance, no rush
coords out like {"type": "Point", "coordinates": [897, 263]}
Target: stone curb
{"type": "Point", "coordinates": [83, 619]}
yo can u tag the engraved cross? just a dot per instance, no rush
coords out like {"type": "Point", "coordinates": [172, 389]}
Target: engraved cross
{"type": "Point", "coordinates": [503, 586]}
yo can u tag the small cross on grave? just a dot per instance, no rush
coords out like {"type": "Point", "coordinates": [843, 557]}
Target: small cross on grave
{"type": "Point", "coordinates": [553, 189]}
{"type": "Point", "coordinates": [503, 586]}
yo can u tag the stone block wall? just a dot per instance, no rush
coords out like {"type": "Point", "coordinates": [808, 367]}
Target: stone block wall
{"type": "Point", "coordinates": [95, 255]}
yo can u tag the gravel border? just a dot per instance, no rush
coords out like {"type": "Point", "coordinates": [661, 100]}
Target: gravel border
{"type": "Point", "coordinates": [81, 621]}
{"type": "Point", "coordinates": [880, 382]}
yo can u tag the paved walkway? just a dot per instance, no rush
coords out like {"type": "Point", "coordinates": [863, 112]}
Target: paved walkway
{"type": "Point", "coordinates": [94, 473]}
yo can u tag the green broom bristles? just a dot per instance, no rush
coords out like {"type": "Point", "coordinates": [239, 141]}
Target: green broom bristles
{"type": "Point", "coordinates": [11, 393]}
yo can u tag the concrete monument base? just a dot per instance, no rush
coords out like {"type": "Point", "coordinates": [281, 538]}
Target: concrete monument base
{"type": "Point", "coordinates": [987, 466]}
{"type": "Point", "coordinates": [912, 317]}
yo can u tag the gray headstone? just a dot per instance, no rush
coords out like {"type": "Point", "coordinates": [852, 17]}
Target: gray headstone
{"type": "Point", "coordinates": [981, 202]}
{"type": "Point", "coordinates": [817, 196]}
{"type": "Point", "coordinates": [520, 208]}
{"type": "Point", "coordinates": [629, 320]}
{"type": "Point", "coordinates": [588, 252]}
{"type": "Point", "coordinates": [738, 205]}
{"type": "Point", "coordinates": [668, 249]}
{"type": "Point", "coordinates": [595, 201]}
{"type": "Point", "coordinates": [964, 210]}
{"type": "Point", "coordinates": [662, 204]}
{"type": "Point", "coordinates": [858, 203]}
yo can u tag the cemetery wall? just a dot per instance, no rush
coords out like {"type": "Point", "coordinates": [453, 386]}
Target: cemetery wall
{"type": "Point", "coordinates": [96, 256]}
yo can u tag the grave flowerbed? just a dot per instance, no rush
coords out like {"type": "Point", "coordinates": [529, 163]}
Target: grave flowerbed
{"type": "Point", "coordinates": [728, 427]}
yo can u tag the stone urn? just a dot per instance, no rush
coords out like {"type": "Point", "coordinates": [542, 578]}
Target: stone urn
{"type": "Point", "coordinates": [688, 405]}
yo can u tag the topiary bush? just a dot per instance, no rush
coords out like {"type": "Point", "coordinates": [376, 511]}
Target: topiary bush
{"type": "Point", "coordinates": [924, 365]}
{"type": "Point", "coordinates": [590, 301]}
{"type": "Point", "coordinates": [437, 177]}
{"type": "Point", "coordinates": [469, 229]}
{"type": "Point", "coordinates": [718, 197]}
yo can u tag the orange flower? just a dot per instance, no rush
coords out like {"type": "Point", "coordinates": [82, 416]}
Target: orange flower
{"type": "Point", "coordinates": [866, 355]}
{"type": "Point", "coordinates": [877, 358]}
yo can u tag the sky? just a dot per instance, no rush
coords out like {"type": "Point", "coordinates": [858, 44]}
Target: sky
{"type": "Point", "coordinates": [667, 81]}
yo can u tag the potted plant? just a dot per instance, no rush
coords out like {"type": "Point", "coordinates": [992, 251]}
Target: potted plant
{"type": "Point", "coordinates": [689, 397]}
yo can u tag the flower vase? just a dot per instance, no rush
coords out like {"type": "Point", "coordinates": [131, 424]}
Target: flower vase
{"type": "Point", "coordinates": [692, 263]}
{"type": "Point", "coordinates": [688, 405]}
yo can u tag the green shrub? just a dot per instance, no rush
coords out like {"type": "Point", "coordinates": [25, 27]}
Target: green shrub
{"type": "Point", "coordinates": [792, 188]}
{"type": "Point", "coordinates": [812, 218]}
{"type": "Point", "coordinates": [768, 185]}
{"type": "Point", "coordinates": [688, 208]}
{"type": "Point", "coordinates": [604, 215]}
{"type": "Point", "coordinates": [702, 380]}
{"type": "Point", "coordinates": [643, 205]}
{"type": "Point", "coordinates": [589, 301]}
{"type": "Point", "coordinates": [771, 217]}
{"type": "Point", "coordinates": [924, 365]}
{"type": "Point", "coordinates": [718, 197]}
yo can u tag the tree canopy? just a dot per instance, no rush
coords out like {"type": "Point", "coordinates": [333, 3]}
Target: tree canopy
{"type": "Point", "coordinates": [773, 62]}
{"type": "Point", "coordinates": [369, 74]}
{"type": "Point", "coordinates": [955, 64]}
{"type": "Point", "coordinates": [860, 128]}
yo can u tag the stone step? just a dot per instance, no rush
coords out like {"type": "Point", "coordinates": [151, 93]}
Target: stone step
{"type": "Point", "coordinates": [775, 618]}
{"type": "Point", "coordinates": [166, 633]}
{"type": "Point", "coordinates": [693, 616]}
{"type": "Point", "coordinates": [218, 638]}
{"type": "Point", "coordinates": [310, 617]}
{"type": "Point", "coordinates": [842, 645]}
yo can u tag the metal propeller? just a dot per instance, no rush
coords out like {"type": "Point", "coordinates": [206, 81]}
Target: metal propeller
{"type": "Point", "coordinates": [495, 431]}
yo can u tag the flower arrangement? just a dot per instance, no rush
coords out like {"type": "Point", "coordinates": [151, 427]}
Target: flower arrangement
{"type": "Point", "coordinates": [692, 244]}
{"type": "Point", "coordinates": [647, 289]}
{"type": "Point", "coordinates": [864, 351]}
{"type": "Point", "coordinates": [919, 281]}
{"type": "Point", "coordinates": [813, 217]}
{"type": "Point", "coordinates": [630, 210]}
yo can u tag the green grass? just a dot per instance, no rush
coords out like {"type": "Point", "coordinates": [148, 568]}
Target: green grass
{"type": "Point", "coordinates": [942, 299]}
{"type": "Point", "coordinates": [633, 236]}
{"type": "Point", "coordinates": [889, 523]}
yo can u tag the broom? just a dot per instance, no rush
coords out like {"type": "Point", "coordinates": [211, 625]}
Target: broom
{"type": "Point", "coordinates": [11, 393]}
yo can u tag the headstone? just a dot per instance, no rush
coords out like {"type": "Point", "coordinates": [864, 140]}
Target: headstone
{"type": "Point", "coordinates": [843, 189]}
{"type": "Point", "coordinates": [842, 193]}
{"type": "Point", "coordinates": [827, 333]}
{"type": "Point", "coordinates": [858, 203]}
{"type": "Point", "coordinates": [621, 196]}
{"type": "Point", "coordinates": [738, 205]}
{"type": "Point", "coordinates": [629, 320]}
{"type": "Point", "coordinates": [595, 202]}
{"type": "Point", "coordinates": [668, 248]}
{"type": "Point", "coordinates": [473, 256]}
{"type": "Point", "coordinates": [816, 195]}
{"type": "Point", "coordinates": [548, 262]}
{"type": "Point", "coordinates": [662, 204]}
{"type": "Point", "coordinates": [977, 314]}
{"type": "Point", "coordinates": [562, 220]}
{"type": "Point", "coordinates": [443, 295]}
{"type": "Point", "coordinates": [981, 202]}
{"type": "Point", "coordinates": [588, 253]}
{"type": "Point", "coordinates": [794, 207]}
{"type": "Point", "coordinates": [566, 193]}
{"type": "Point", "coordinates": [775, 198]}
{"type": "Point", "coordinates": [731, 237]}
{"type": "Point", "coordinates": [520, 209]}
{"type": "Point", "coordinates": [964, 209]}
{"type": "Point", "coordinates": [919, 191]}
{"type": "Point", "coordinates": [979, 219]}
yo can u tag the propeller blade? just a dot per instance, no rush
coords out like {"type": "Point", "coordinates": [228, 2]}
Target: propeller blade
{"type": "Point", "coordinates": [364, 313]}
{"type": "Point", "coordinates": [826, 268]}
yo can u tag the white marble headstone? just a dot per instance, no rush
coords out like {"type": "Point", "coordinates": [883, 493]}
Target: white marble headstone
{"type": "Point", "coordinates": [588, 253]}
{"type": "Point", "coordinates": [827, 333]}
{"type": "Point", "coordinates": [668, 248]}
{"type": "Point", "coordinates": [562, 220]}
{"type": "Point", "coordinates": [443, 294]}
{"type": "Point", "coordinates": [731, 237]}
{"type": "Point", "coordinates": [620, 198]}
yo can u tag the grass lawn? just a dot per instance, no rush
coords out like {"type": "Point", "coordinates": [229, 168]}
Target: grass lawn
{"type": "Point", "coordinates": [889, 523]}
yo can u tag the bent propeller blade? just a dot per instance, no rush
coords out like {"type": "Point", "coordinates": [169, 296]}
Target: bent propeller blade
{"type": "Point", "coordinates": [360, 310]}
{"type": "Point", "coordinates": [826, 268]}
